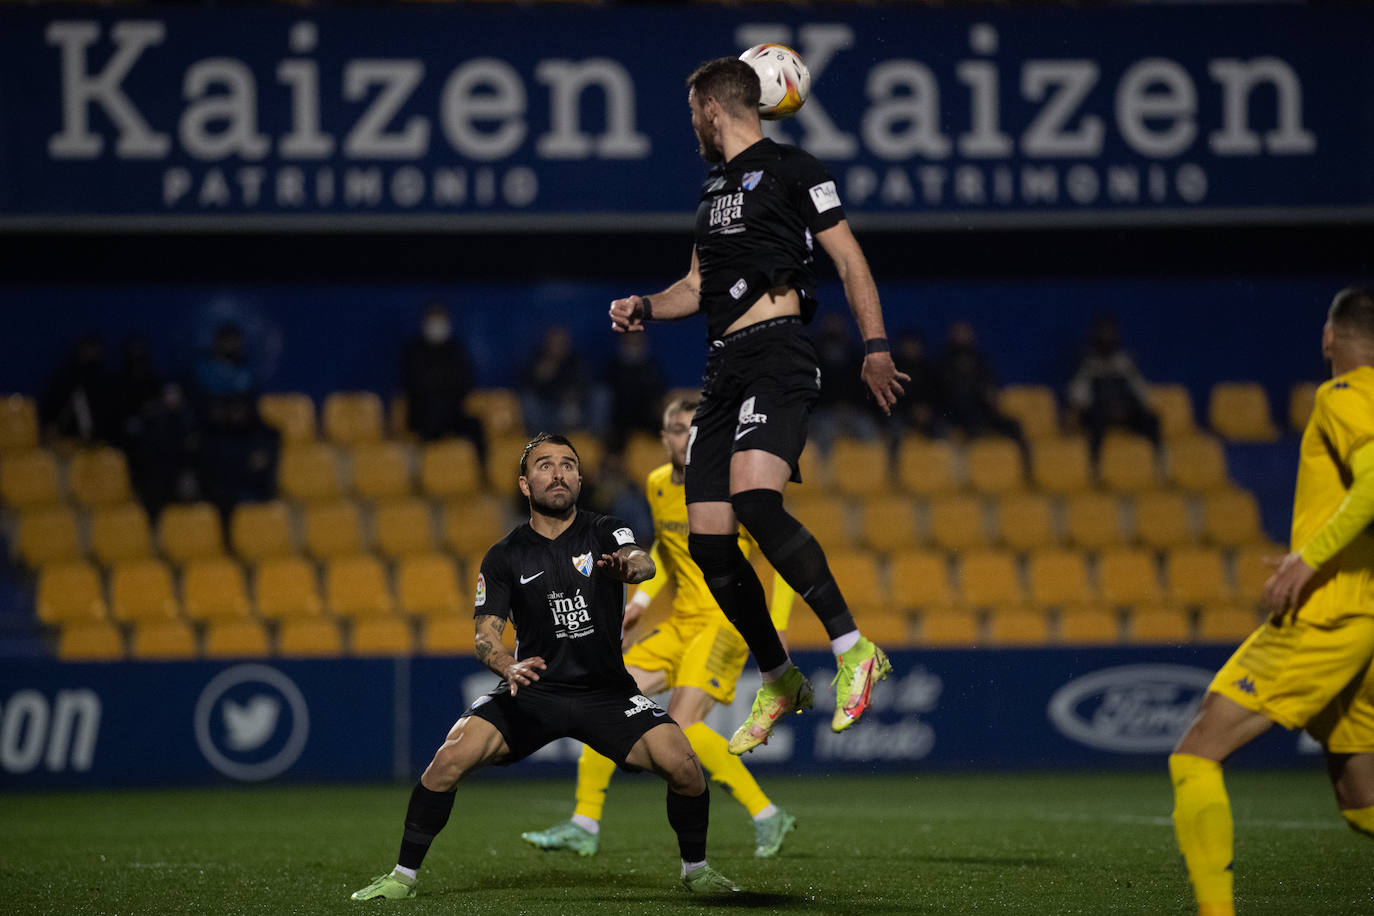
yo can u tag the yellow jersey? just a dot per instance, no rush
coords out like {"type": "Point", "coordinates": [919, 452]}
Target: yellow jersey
{"type": "Point", "coordinates": [1342, 421]}
{"type": "Point", "coordinates": [668, 504]}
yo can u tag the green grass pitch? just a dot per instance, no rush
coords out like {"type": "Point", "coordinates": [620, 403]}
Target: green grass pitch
{"type": "Point", "coordinates": [907, 844]}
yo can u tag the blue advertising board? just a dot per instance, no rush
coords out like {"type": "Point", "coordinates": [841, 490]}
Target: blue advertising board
{"type": "Point", "coordinates": [576, 118]}
{"type": "Point", "coordinates": [139, 724]}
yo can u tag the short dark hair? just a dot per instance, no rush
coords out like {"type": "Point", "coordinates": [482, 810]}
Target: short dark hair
{"type": "Point", "coordinates": [1352, 312]}
{"type": "Point", "coordinates": [555, 438]}
{"type": "Point", "coordinates": [728, 80]}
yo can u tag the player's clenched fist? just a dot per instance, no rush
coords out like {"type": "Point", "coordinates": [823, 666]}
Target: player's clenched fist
{"type": "Point", "coordinates": [627, 314]}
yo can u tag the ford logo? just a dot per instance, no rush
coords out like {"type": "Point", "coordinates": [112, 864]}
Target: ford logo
{"type": "Point", "coordinates": [1132, 709]}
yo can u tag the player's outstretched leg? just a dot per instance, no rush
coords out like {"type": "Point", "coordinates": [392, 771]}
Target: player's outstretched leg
{"type": "Point", "coordinates": [567, 836]}
{"type": "Point", "coordinates": [857, 670]}
{"type": "Point", "coordinates": [769, 833]}
{"type": "Point", "coordinates": [1204, 828]}
{"type": "Point", "coordinates": [581, 834]}
{"type": "Point", "coordinates": [790, 693]}
{"type": "Point", "coordinates": [771, 823]}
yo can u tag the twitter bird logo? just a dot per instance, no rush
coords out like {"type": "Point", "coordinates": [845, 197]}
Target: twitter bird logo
{"type": "Point", "coordinates": [247, 726]}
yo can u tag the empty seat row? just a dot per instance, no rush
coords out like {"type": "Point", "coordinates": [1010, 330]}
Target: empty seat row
{"type": "Point", "coordinates": [349, 417]}
{"type": "Point", "coordinates": [91, 476]}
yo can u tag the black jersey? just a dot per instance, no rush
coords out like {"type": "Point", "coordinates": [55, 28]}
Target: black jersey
{"type": "Point", "coordinates": [754, 229]}
{"type": "Point", "coordinates": [565, 609]}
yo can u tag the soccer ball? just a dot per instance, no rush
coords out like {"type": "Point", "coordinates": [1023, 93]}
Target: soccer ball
{"type": "Point", "coordinates": [783, 77]}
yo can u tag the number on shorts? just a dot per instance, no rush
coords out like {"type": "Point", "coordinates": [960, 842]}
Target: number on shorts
{"type": "Point", "coordinates": [691, 438]}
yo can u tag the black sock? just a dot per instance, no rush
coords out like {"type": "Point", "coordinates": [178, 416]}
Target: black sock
{"type": "Point", "coordinates": [796, 555]}
{"type": "Point", "coordinates": [738, 591]}
{"type": "Point", "coordinates": [425, 817]}
{"type": "Point", "coordinates": [689, 816]}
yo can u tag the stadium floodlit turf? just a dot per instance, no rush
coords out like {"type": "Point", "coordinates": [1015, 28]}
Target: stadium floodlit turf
{"type": "Point", "coordinates": [911, 844]}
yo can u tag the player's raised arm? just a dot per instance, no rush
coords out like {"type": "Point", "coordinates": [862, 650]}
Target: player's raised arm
{"type": "Point", "coordinates": [630, 564]}
{"type": "Point", "coordinates": [879, 372]}
{"type": "Point", "coordinates": [680, 300]}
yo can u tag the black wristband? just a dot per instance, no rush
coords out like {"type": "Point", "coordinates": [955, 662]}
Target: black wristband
{"type": "Point", "coordinates": [876, 345]}
{"type": "Point", "coordinates": [646, 309]}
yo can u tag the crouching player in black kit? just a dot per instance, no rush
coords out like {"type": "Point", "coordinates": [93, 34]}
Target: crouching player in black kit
{"type": "Point", "coordinates": [761, 207]}
{"type": "Point", "coordinates": [561, 580]}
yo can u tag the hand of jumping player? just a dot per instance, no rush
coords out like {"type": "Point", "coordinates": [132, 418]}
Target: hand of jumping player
{"type": "Point", "coordinates": [1284, 588]}
{"type": "Point", "coordinates": [525, 671]}
{"type": "Point", "coordinates": [626, 314]}
{"type": "Point", "coordinates": [884, 382]}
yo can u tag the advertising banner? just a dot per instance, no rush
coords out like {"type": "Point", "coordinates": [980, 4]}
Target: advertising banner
{"type": "Point", "coordinates": [576, 118]}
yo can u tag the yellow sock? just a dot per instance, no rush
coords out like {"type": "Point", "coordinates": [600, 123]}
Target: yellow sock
{"type": "Point", "coordinates": [594, 774]}
{"type": "Point", "coordinates": [725, 768]}
{"type": "Point", "coordinates": [1361, 820]}
{"type": "Point", "coordinates": [1202, 822]}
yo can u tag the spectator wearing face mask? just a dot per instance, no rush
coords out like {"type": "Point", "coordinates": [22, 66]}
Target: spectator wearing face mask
{"type": "Point", "coordinates": [437, 376]}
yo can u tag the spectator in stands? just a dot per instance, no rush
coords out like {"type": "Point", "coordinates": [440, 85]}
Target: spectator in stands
{"type": "Point", "coordinates": [224, 372]}
{"type": "Point", "coordinates": [162, 442]}
{"type": "Point", "coordinates": [637, 387]}
{"type": "Point", "coordinates": [555, 390]}
{"type": "Point", "coordinates": [79, 401]}
{"type": "Point", "coordinates": [1107, 390]}
{"type": "Point", "coordinates": [969, 391]}
{"type": "Point", "coordinates": [919, 408]}
{"type": "Point", "coordinates": [612, 491]}
{"type": "Point", "coordinates": [239, 453]}
{"type": "Point", "coordinates": [844, 407]}
{"type": "Point", "coordinates": [139, 384]}
{"type": "Point", "coordinates": [437, 376]}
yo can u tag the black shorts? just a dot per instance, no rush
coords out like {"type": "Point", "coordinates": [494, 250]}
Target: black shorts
{"type": "Point", "coordinates": [608, 720]}
{"type": "Point", "coordinates": [758, 391]}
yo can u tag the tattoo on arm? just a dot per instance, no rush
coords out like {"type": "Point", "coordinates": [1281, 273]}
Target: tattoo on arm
{"type": "Point", "coordinates": [490, 651]}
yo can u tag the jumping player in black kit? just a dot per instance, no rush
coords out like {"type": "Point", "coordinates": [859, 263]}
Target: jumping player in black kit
{"type": "Point", "coordinates": [560, 579]}
{"type": "Point", "coordinates": [761, 207]}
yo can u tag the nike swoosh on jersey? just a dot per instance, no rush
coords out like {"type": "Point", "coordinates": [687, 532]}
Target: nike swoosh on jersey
{"type": "Point", "coordinates": [527, 579]}
{"type": "Point", "coordinates": [744, 432]}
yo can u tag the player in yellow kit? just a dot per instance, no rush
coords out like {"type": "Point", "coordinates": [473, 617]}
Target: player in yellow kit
{"type": "Point", "coordinates": [1309, 665]}
{"type": "Point", "coordinates": [696, 652]}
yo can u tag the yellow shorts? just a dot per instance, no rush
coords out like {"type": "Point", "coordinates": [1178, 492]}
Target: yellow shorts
{"type": "Point", "coordinates": [708, 655]}
{"type": "Point", "coordinates": [1302, 675]}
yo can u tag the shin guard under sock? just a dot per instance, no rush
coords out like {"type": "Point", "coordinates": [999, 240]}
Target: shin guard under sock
{"type": "Point", "coordinates": [689, 816]}
{"type": "Point", "coordinates": [425, 817]}
{"type": "Point", "coordinates": [738, 591]}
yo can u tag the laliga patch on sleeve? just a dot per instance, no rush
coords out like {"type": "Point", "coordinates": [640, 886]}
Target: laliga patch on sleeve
{"type": "Point", "coordinates": [481, 590]}
{"type": "Point", "coordinates": [624, 536]}
{"type": "Point", "coordinates": [824, 196]}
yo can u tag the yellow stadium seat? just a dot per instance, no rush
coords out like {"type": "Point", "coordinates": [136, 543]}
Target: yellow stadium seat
{"type": "Point", "coordinates": [29, 478]}
{"type": "Point", "coordinates": [120, 533]}
{"type": "Point", "coordinates": [142, 590]}
{"type": "Point", "coordinates": [471, 526]}
{"type": "Point", "coordinates": [1018, 626]}
{"type": "Point", "coordinates": [1162, 519]}
{"type": "Point", "coordinates": [309, 472]}
{"type": "Point", "coordinates": [447, 636]}
{"type": "Point", "coordinates": [356, 586]}
{"type": "Point", "coordinates": [90, 641]}
{"type": "Point", "coordinates": [1034, 407]}
{"type": "Point", "coordinates": [99, 477]}
{"type": "Point", "coordinates": [825, 515]}
{"type": "Point", "coordinates": [309, 637]}
{"type": "Point", "coordinates": [949, 627]}
{"type": "Point", "coordinates": [1174, 406]}
{"type": "Point", "coordinates": [1197, 463]}
{"type": "Point", "coordinates": [1301, 398]}
{"type": "Point", "coordinates": [859, 577]}
{"type": "Point", "coordinates": [643, 452]}
{"type": "Point", "coordinates": [214, 588]}
{"type": "Point", "coordinates": [890, 629]}
{"type": "Point", "coordinates": [381, 470]}
{"type": "Point", "coordinates": [287, 587]}
{"type": "Point", "coordinates": [1155, 624]}
{"type": "Point", "coordinates": [926, 466]}
{"type": "Point", "coordinates": [1127, 464]}
{"type": "Point", "coordinates": [1025, 521]}
{"type": "Point", "coordinates": [1252, 567]}
{"type": "Point", "coordinates": [190, 532]}
{"type": "Point", "coordinates": [1061, 465]}
{"type": "Point", "coordinates": [290, 413]}
{"type": "Point", "coordinates": [427, 586]}
{"type": "Point", "coordinates": [259, 531]}
{"type": "Point", "coordinates": [815, 468]}
{"type": "Point", "coordinates": [503, 462]}
{"type": "Point", "coordinates": [994, 465]}
{"type": "Point", "coordinates": [1092, 520]}
{"type": "Point", "coordinates": [352, 416]}
{"type": "Point", "coordinates": [48, 534]}
{"type": "Point", "coordinates": [1128, 576]}
{"type": "Point", "coordinates": [591, 451]}
{"type": "Point", "coordinates": [990, 577]}
{"type": "Point", "coordinates": [403, 526]}
{"type": "Point", "coordinates": [804, 631]}
{"type": "Point", "coordinates": [1226, 623]}
{"type": "Point", "coordinates": [1239, 412]}
{"type": "Point", "coordinates": [450, 468]}
{"type": "Point", "coordinates": [333, 529]}
{"type": "Point", "coordinates": [890, 522]}
{"type": "Point", "coordinates": [1231, 517]}
{"type": "Point", "coordinates": [1086, 626]}
{"type": "Point", "coordinates": [955, 521]}
{"type": "Point", "coordinates": [498, 409]}
{"type": "Point", "coordinates": [163, 640]}
{"type": "Point", "coordinates": [18, 423]}
{"type": "Point", "coordinates": [860, 468]}
{"type": "Point", "coordinates": [245, 638]}
{"type": "Point", "coordinates": [70, 591]}
{"type": "Point", "coordinates": [374, 636]}
{"type": "Point", "coordinates": [1058, 577]}
{"type": "Point", "coordinates": [920, 578]}
{"type": "Point", "coordinates": [1196, 575]}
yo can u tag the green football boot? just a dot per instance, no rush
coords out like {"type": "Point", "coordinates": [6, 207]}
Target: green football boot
{"type": "Point", "coordinates": [706, 880]}
{"type": "Point", "coordinates": [566, 835]}
{"type": "Point", "coordinates": [859, 669]}
{"type": "Point", "coordinates": [769, 833]}
{"type": "Point", "coordinates": [789, 693]}
{"type": "Point", "coordinates": [393, 886]}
